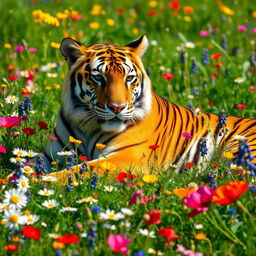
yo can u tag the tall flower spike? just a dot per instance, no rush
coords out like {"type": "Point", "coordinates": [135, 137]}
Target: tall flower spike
{"type": "Point", "coordinates": [194, 67]}
{"type": "Point", "coordinates": [252, 60]}
{"type": "Point", "coordinates": [224, 42]}
{"type": "Point", "coordinates": [27, 105]}
{"type": "Point", "coordinates": [183, 57]}
{"type": "Point", "coordinates": [222, 122]}
{"type": "Point", "coordinates": [205, 57]}
{"type": "Point", "coordinates": [91, 235]}
{"type": "Point", "coordinates": [202, 147]}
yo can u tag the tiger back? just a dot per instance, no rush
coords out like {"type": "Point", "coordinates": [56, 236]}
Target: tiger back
{"type": "Point", "coordinates": [107, 98]}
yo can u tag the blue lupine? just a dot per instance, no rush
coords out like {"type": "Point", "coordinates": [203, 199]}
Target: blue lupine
{"type": "Point", "coordinates": [194, 67]}
{"type": "Point", "coordinates": [202, 147]}
{"type": "Point", "coordinates": [21, 110]}
{"type": "Point", "coordinates": [70, 182]}
{"type": "Point", "coordinates": [40, 167]}
{"type": "Point", "coordinates": [27, 105]}
{"type": "Point", "coordinates": [222, 122]}
{"type": "Point", "coordinates": [205, 57]}
{"type": "Point", "coordinates": [94, 180]}
{"type": "Point", "coordinates": [224, 42]}
{"type": "Point", "coordinates": [183, 57]}
{"type": "Point", "coordinates": [91, 235]}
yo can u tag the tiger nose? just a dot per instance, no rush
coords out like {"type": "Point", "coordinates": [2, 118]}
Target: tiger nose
{"type": "Point", "coordinates": [116, 108]}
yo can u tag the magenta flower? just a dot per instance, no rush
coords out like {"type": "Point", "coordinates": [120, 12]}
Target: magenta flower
{"type": "Point", "coordinates": [32, 50]}
{"type": "Point", "coordinates": [199, 200]}
{"type": "Point", "coordinates": [254, 30]}
{"type": "Point", "coordinates": [19, 48]}
{"type": "Point", "coordinates": [134, 197]}
{"type": "Point", "coordinates": [2, 149]}
{"type": "Point", "coordinates": [242, 28]}
{"type": "Point", "coordinates": [145, 199]}
{"type": "Point", "coordinates": [186, 135]}
{"type": "Point", "coordinates": [203, 33]}
{"type": "Point", "coordinates": [118, 243]}
{"type": "Point", "coordinates": [9, 121]}
{"type": "Point", "coordinates": [185, 252]}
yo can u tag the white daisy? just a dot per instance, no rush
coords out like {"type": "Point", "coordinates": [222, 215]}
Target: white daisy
{"type": "Point", "coordinates": [65, 153]}
{"type": "Point", "coordinates": [111, 215]}
{"type": "Point", "coordinates": [155, 252]}
{"type": "Point", "coordinates": [108, 226]}
{"type": "Point", "coordinates": [24, 73]}
{"type": "Point", "coordinates": [88, 199]}
{"type": "Point", "coordinates": [239, 80]}
{"type": "Point", "coordinates": [109, 188]}
{"type": "Point", "coordinates": [43, 224]}
{"type": "Point", "coordinates": [27, 169]}
{"type": "Point", "coordinates": [50, 203]}
{"type": "Point", "coordinates": [127, 211]}
{"type": "Point", "coordinates": [52, 75]}
{"type": "Point", "coordinates": [239, 137]}
{"type": "Point", "coordinates": [3, 207]}
{"type": "Point", "coordinates": [23, 183]}
{"type": "Point", "coordinates": [68, 209]}
{"type": "Point", "coordinates": [49, 178]}
{"type": "Point", "coordinates": [46, 192]}
{"type": "Point", "coordinates": [17, 159]}
{"type": "Point", "coordinates": [12, 219]}
{"type": "Point", "coordinates": [146, 232]}
{"type": "Point", "coordinates": [31, 153]}
{"type": "Point", "coordinates": [126, 224]}
{"type": "Point", "coordinates": [11, 99]}
{"type": "Point", "coordinates": [53, 235]}
{"type": "Point", "coordinates": [31, 219]}
{"type": "Point", "coordinates": [15, 198]}
{"type": "Point", "coordinates": [190, 45]}
{"type": "Point", "coordinates": [20, 152]}
{"type": "Point", "coordinates": [199, 226]}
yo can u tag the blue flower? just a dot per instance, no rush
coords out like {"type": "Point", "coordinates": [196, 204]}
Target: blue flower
{"type": "Point", "coordinates": [96, 208]}
{"type": "Point", "coordinates": [139, 253]}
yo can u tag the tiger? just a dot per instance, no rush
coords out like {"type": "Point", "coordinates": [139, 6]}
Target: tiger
{"type": "Point", "coordinates": [108, 99]}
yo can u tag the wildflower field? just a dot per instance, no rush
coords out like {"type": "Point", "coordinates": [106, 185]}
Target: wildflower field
{"type": "Point", "coordinates": [202, 56]}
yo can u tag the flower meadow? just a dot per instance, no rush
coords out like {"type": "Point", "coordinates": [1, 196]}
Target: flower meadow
{"type": "Point", "coordinates": [202, 56]}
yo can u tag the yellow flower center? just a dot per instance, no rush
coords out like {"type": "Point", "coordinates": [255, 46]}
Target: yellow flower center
{"type": "Point", "coordinates": [30, 219]}
{"type": "Point", "coordinates": [26, 169]}
{"type": "Point", "coordinates": [6, 207]}
{"type": "Point", "coordinates": [23, 183]}
{"type": "Point", "coordinates": [14, 199]}
{"type": "Point", "coordinates": [111, 216]}
{"type": "Point", "coordinates": [12, 99]}
{"type": "Point", "coordinates": [46, 192]}
{"type": "Point", "coordinates": [51, 205]}
{"type": "Point", "coordinates": [14, 218]}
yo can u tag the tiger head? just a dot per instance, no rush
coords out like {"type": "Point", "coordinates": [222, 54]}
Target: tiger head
{"type": "Point", "coordinates": [107, 86]}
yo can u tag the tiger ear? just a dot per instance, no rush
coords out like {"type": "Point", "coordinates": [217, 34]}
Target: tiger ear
{"type": "Point", "coordinates": [71, 50]}
{"type": "Point", "coordinates": [139, 46]}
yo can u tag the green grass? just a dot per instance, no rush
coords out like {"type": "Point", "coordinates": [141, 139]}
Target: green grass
{"type": "Point", "coordinates": [226, 233]}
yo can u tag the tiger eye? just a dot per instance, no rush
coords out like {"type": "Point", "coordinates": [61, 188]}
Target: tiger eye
{"type": "Point", "coordinates": [97, 77]}
{"type": "Point", "coordinates": [129, 78]}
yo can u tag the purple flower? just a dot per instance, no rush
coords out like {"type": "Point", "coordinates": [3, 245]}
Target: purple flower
{"type": "Point", "coordinates": [19, 48]}
{"type": "Point", "coordinates": [134, 197]}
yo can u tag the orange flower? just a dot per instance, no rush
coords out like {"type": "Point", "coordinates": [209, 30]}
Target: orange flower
{"type": "Point", "coordinates": [188, 9]}
{"type": "Point", "coordinates": [200, 236]}
{"type": "Point", "coordinates": [100, 146]}
{"type": "Point", "coordinates": [229, 192]}
{"type": "Point", "coordinates": [183, 192]}
{"type": "Point", "coordinates": [11, 247]}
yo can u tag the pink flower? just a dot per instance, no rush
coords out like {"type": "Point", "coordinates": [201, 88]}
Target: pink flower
{"type": "Point", "coordinates": [15, 134]}
{"type": "Point", "coordinates": [168, 76]}
{"type": "Point", "coordinates": [184, 251]}
{"type": "Point", "coordinates": [254, 30]}
{"type": "Point", "coordinates": [2, 149]}
{"type": "Point", "coordinates": [32, 50]}
{"type": "Point", "coordinates": [134, 197]}
{"type": "Point", "coordinates": [242, 28]}
{"type": "Point", "coordinates": [203, 33]}
{"type": "Point", "coordinates": [9, 121]}
{"type": "Point", "coordinates": [199, 200]}
{"type": "Point", "coordinates": [19, 48]}
{"type": "Point", "coordinates": [186, 135]}
{"type": "Point", "coordinates": [145, 199]}
{"type": "Point", "coordinates": [118, 243]}
{"type": "Point", "coordinates": [53, 137]}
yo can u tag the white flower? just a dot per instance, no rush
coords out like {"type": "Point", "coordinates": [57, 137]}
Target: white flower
{"type": "Point", "coordinates": [199, 226]}
{"type": "Point", "coordinates": [4, 207]}
{"type": "Point", "coordinates": [109, 188]}
{"type": "Point", "coordinates": [146, 232]}
{"type": "Point", "coordinates": [190, 45]}
{"type": "Point", "coordinates": [18, 159]}
{"type": "Point", "coordinates": [31, 153]}
{"type": "Point", "coordinates": [68, 209]}
{"type": "Point", "coordinates": [88, 199]}
{"type": "Point", "coordinates": [53, 235]}
{"type": "Point", "coordinates": [11, 99]}
{"type": "Point", "coordinates": [190, 97]}
{"type": "Point", "coordinates": [23, 183]}
{"type": "Point", "coordinates": [12, 218]}
{"type": "Point", "coordinates": [31, 219]}
{"type": "Point", "coordinates": [126, 224]}
{"type": "Point", "coordinates": [46, 192]}
{"type": "Point", "coordinates": [239, 137]}
{"type": "Point", "coordinates": [49, 178]}
{"type": "Point", "coordinates": [52, 75]}
{"type": "Point", "coordinates": [153, 42]}
{"type": "Point", "coordinates": [65, 153]}
{"type": "Point", "coordinates": [20, 152]}
{"type": "Point", "coordinates": [127, 211]}
{"type": "Point", "coordinates": [24, 73]}
{"type": "Point", "coordinates": [155, 252]}
{"type": "Point", "coordinates": [108, 226]}
{"type": "Point", "coordinates": [43, 224]}
{"type": "Point", "coordinates": [50, 203]}
{"type": "Point", "coordinates": [27, 169]}
{"type": "Point", "coordinates": [239, 80]}
{"type": "Point", "coordinates": [15, 198]}
{"type": "Point", "coordinates": [111, 215]}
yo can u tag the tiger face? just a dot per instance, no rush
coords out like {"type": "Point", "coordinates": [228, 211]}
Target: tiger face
{"type": "Point", "coordinates": [107, 84]}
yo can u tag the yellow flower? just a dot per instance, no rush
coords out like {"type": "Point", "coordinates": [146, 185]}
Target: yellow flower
{"type": "Point", "coordinates": [167, 192]}
{"type": "Point", "coordinates": [135, 31]}
{"type": "Point", "coordinates": [61, 15]}
{"type": "Point", "coordinates": [100, 146]}
{"type": "Point", "coordinates": [55, 45]}
{"type": "Point", "coordinates": [139, 184]}
{"type": "Point", "coordinates": [149, 178]}
{"type": "Point", "coordinates": [254, 14]}
{"type": "Point", "coordinates": [27, 212]}
{"type": "Point", "coordinates": [54, 163]}
{"type": "Point", "coordinates": [107, 166]}
{"type": "Point", "coordinates": [96, 9]}
{"type": "Point", "coordinates": [58, 246]}
{"type": "Point", "coordinates": [48, 88]}
{"type": "Point", "coordinates": [187, 18]}
{"type": "Point", "coordinates": [57, 86]}
{"type": "Point", "coordinates": [73, 140]}
{"type": "Point", "coordinates": [225, 9]}
{"type": "Point", "coordinates": [94, 25]}
{"type": "Point", "coordinates": [110, 22]}
{"type": "Point", "coordinates": [7, 46]}
{"type": "Point", "coordinates": [228, 155]}
{"type": "Point", "coordinates": [4, 85]}
{"type": "Point", "coordinates": [152, 4]}
{"type": "Point", "coordinates": [200, 236]}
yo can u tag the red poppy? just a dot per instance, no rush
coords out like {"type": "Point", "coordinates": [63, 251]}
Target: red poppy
{"type": "Point", "coordinates": [68, 239]}
{"type": "Point", "coordinates": [168, 76]}
{"type": "Point", "coordinates": [123, 175]}
{"type": "Point", "coordinates": [83, 158]}
{"type": "Point", "coordinates": [214, 165]}
{"type": "Point", "coordinates": [168, 233]}
{"type": "Point", "coordinates": [241, 106]}
{"type": "Point", "coordinates": [152, 13]}
{"type": "Point", "coordinates": [229, 192]}
{"type": "Point", "coordinates": [11, 247]}
{"type": "Point", "coordinates": [175, 5]}
{"type": "Point", "coordinates": [43, 125]}
{"type": "Point", "coordinates": [11, 67]}
{"type": "Point", "coordinates": [9, 121]}
{"type": "Point", "coordinates": [153, 217]}
{"type": "Point", "coordinates": [26, 94]}
{"type": "Point", "coordinates": [3, 181]}
{"type": "Point", "coordinates": [31, 232]}
{"type": "Point", "coordinates": [29, 131]}
{"type": "Point", "coordinates": [13, 77]}
{"type": "Point", "coordinates": [154, 146]}
{"type": "Point", "coordinates": [216, 56]}
{"type": "Point", "coordinates": [120, 11]}
{"type": "Point", "coordinates": [189, 164]}
{"type": "Point", "coordinates": [240, 171]}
